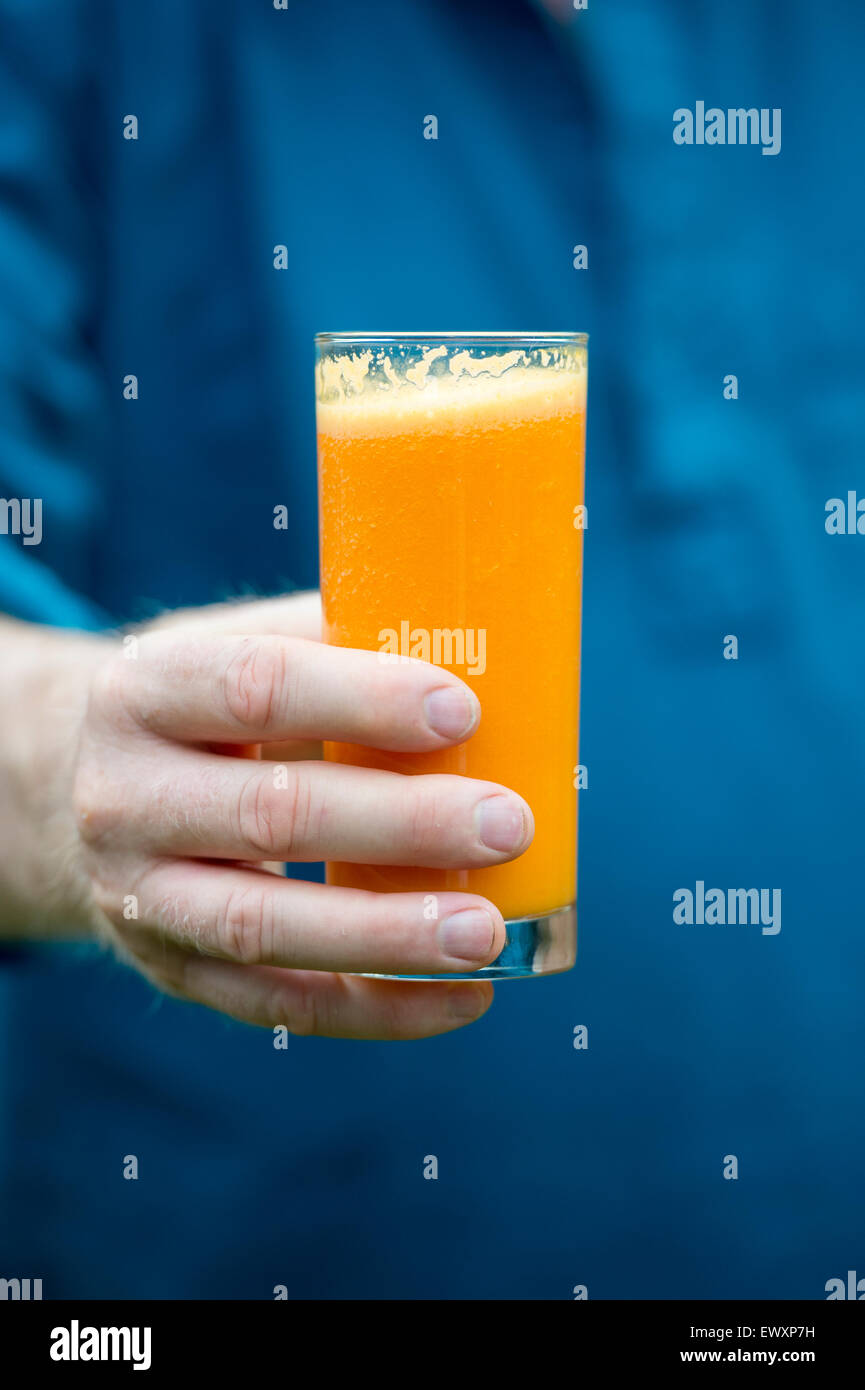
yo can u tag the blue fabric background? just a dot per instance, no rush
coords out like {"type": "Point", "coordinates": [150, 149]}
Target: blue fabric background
{"type": "Point", "coordinates": [258, 127]}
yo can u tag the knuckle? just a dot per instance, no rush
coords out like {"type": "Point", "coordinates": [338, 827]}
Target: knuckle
{"type": "Point", "coordinates": [245, 926]}
{"type": "Point", "coordinates": [109, 688]}
{"type": "Point", "coordinates": [255, 683]}
{"type": "Point", "coordinates": [302, 835]}
{"type": "Point", "coordinates": [302, 1016]}
{"type": "Point", "coordinates": [257, 820]}
{"type": "Point", "coordinates": [97, 807]}
{"type": "Point", "coordinates": [284, 822]}
{"type": "Point", "coordinates": [427, 816]}
{"type": "Point", "coordinates": [106, 898]}
{"type": "Point", "coordinates": [119, 893]}
{"type": "Point", "coordinates": [391, 1020]}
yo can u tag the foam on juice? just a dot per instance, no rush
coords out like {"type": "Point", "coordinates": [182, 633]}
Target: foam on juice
{"type": "Point", "coordinates": [487, 393]}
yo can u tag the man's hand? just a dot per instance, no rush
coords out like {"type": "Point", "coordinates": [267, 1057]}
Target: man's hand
{"type": "Point", "coordinates": [152, 826]}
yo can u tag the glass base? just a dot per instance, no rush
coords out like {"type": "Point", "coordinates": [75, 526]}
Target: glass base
{"type": "Point", "coordinates": [544, 945]}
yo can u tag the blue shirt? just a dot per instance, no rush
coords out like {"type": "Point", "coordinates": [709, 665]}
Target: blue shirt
{"type": "Point", "coordinates": [260, 128]}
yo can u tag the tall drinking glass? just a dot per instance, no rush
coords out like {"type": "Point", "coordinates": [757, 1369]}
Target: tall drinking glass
{"type": "Point", "coordinates": [451, 529]}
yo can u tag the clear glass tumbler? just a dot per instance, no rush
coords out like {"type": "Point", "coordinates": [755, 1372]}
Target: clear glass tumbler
{"type": "Point", "coordinates": [451, 528]}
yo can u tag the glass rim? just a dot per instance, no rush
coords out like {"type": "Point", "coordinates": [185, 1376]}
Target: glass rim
{"type": "Point", "coordinates": [438, 338]}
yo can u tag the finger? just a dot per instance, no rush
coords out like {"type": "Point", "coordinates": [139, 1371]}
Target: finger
{"type": "Point", "coordinates": [262, 689]}
{"type": "Point", "coordinates": [312, 1003]}
{"type": "Point", "coordinates": [293, 615]}
{"type": "Point", "coordinates": [204, 805]}
{"type": "Point", "coordinates": [252, 918]}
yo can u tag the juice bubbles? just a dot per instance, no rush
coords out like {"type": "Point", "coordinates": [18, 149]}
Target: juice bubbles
{"type": "Point", "coordinates": [451, 492]}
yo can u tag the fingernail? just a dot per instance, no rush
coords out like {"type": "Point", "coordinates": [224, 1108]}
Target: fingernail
{"type": "Point", "coordinates": [451, 711]}
{"type": "Point", "coordinates": [467, 935]}
{"type": "Point", "coordinates": [466, 1001]}
{"type": "Point", "coordinates": [501, 823]}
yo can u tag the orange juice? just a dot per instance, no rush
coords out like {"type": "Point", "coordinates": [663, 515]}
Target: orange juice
{"type": "Point", "coordinates": [451, 496]}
